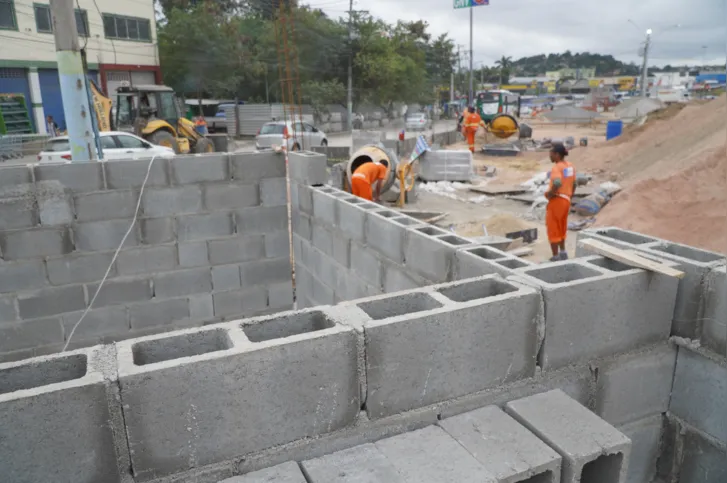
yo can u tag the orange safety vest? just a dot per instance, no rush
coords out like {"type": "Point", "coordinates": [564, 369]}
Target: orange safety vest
{"type": "Point", "coordinates": [473, 121]}
{"type": "Point", "coordinates": [564, 171]}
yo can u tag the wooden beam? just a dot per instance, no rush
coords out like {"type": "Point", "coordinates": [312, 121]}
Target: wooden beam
{"type": "Point", "coordinates": [629, 257]}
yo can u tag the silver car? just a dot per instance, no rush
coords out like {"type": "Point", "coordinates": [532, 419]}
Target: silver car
{"type": "Point", "coordinates": [418, 122]}
{"type": "Point", "coordinates": [281, 133]}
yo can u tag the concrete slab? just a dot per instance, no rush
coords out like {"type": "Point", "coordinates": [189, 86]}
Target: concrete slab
{"type": "Point", "coordinates": [593, 451]}
{"type": "Point", "coordinates": [285, 473]}
{"type": "Point", "coordinates": [361, 464]}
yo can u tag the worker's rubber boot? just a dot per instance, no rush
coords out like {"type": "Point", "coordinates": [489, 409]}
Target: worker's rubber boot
{"type": "Point", "coordinates": [563, 256]}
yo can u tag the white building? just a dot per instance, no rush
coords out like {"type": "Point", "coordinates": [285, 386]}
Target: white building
{"type": "Point", "coordinates": [120, 39]}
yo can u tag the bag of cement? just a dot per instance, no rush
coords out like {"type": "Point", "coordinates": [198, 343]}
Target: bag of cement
{"type": "Point", "coordinates": [526, 132]}
{"type": "Point", "coordinates": [592, 204]}
{"type": "Point", "coordinates": [446, 165]}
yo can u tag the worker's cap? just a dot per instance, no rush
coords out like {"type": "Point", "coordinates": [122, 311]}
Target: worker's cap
{"type": "Point", "coordinates": [559, 148]}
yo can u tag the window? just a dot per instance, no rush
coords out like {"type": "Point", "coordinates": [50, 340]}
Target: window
{"type": "Point", "coordinates": [107, 142]}
{"type": "Point", "coordinates": [308, 127]}
{"type": "Point", "coordinates": [44, 22]}
{"type": "Point", "coordinates": [126, 28]}
{"type": "Point", "coordinates": [130, 142]}
{"type": "Point", "coordinates": [168, 109]}
{"type": "Point", "coordinates": [7, 15]}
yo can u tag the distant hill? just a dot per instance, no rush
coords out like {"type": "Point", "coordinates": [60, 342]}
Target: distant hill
{"type": "Point", "coordinates": [606, 65]}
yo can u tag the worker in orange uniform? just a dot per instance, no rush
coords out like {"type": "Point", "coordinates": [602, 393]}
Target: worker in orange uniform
{"type": "Point", "coordinates": [560, 192]}
{"type": "Point", "coordinates": [368, 178]}
{"type": "Point", "coordinates": [472, 122]}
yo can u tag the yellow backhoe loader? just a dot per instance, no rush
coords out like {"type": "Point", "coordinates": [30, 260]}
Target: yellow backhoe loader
{"type": "Point", "coordinates": [152, 112]}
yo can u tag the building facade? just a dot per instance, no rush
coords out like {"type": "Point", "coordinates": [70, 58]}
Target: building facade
{"type": "Point", "coordinates": [119, 36]}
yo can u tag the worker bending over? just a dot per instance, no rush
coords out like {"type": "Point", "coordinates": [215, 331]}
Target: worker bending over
{"type": "Point", "coordinates": [559, 195]}
{"type": "Point", "coordinates": [472, 122]}
{"type": "Point", "coordinates": [368, 178]}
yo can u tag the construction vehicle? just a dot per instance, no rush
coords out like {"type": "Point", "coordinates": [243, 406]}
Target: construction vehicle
{"type": "Point", "coordinates": [152, 112]}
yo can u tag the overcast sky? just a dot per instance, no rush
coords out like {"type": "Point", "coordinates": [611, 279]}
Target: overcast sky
{"type": "Point", "coordinates": [520, 28]}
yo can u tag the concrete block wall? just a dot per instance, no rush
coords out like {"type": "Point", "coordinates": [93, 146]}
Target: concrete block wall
{"type": "Point", "coordinates": [210, 243]}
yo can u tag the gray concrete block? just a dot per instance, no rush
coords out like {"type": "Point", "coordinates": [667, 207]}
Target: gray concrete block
{"type": "Point", "coordinates": [51, 301]}
{"type": "Point", "coordinates": [236, 250]}
{"type": "Point", "coordinates": [341, 249]}
{"type": "Point", "coordinates": [17, 213]}
{"type": "Point", "coordinates": [430, 455]}
{"type": "Point", "coordinates": [239, 303]}
{"type": "Point", "coordinates": [104, 235]}
{"type": "Point", "coordinates": [301, 403]}
{"type": "Point", "coordinates": [361, 464]}
{"type": "Point", "coordinates": [58, 396]}
{"type": "Point", "coordinates": [305, 198]}
{"type": "Point", "coordinates": [645, 436]}
{"type": "Point", "coordinates": [322, 238]}
{"type": "Point", "coordinates": [157, 230]}
{"type": "Point", "coordinates": [161, 202]}
{"type": "Point", "coordinates": [322, 293]}
{"type": "Point", "coordinates": [478, 261]}
{"type": "Point", "coordinates": [294, 196]}
{"type": "Point", "coordinates": [325, 208]}
{"type": "Point", "coordinates": [193, 254]}
{"type": "Point", "coordinates": [286, 473]}
{"type": "Point", "coordinates": [703, 460]}
{"type": "Point", "coordinates": [225, 277]}
{"type": "Point", "coordinates": [15, 175]}
{"type": "Point", "coordinates": [352, 219]}
{"type": "Point", "coordinates": [77, 177]}
{"type": "Point", "coordinates": [591, 311]}
{"type": "Point", "coordinates": [201, 307]}
{"type": "Point", "coordinates": [182, 282]}
{"type": "Point", "coordinates": [277, 244]}
{"type": "Point", "coordinates": [700, 391]}
{"type": "Point", "coordinates": [24, 275]}
{"type": "Point", "coordinates": [494, 438]}
{"type": "Point", "coordinates": [121, 291]}
{"type": "Point", "coordinates": [158, 313]}
{"type": "Point", "coordinates": [302, 225]}
{"type": "Point", "coordinates": [8, 312]}
{"type": "Point", "coordinates": [396, 279]}
{"type": "Point", "coordinates": [105, 205]}
{"type": "Point", "coordinates": [592, 449]}
{"type": "Point", "coordinates": [634, 386]}
{"type": "Point", "coordinates": [79, 268]}
{"type": "Point", "coordinates": [30, 334]}
{"type": "Point", "coordinates": [421, 352]}
{"type": "Point", "coordinates": [261, 220]}
{"type": "Point", "coordinates": [36, 242]}
{"type": "Point", "coordinates": [385, 236]}
{"type": "Point", "coordinates": [280, 295]}
{"type": "Point", "coordinates": [252, 167]}
{"type": "Point", "coordinates": [428, 256]}
{"type": "Point", "coordinates": [204, 227]}
{"type": "Point", "coordinates": [130, 173]}
{"type": "Point", "coordinates": [714, 326]}
{"type": "Point", "coordinates": [308, 168]}
{"type": "Point", "coordinates": [274, 192]}
{"type": "Point", "coordinates": [365, 265]}
{"type": "Point", "coordinates": [265, 272]}
{"type": "Point", "coordinates": [146, 260]}
{"type": "Point", "coordinates": [99, 325]}
{"type": "Point", "coordinates": [54, 207]}
{"type": "Point", "coordinates": [230, 196]}
{"type": "Point", "coordinates": [200, 168]}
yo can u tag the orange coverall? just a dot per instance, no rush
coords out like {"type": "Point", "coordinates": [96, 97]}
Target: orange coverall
{"type": "Point", "coordinates": [556, 214]}
{"type": "Point", "coordinates": [364, 177]}
{"type": "Point", "coordinates": [472, 123]}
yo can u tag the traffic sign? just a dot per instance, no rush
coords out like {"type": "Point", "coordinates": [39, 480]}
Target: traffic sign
{"type": "Point", "coordinates": [470, 3]}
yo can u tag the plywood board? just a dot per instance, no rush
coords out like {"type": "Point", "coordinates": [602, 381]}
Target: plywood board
{"type": "Point", "coordinates": [629, 258]}
{"type": "Point", "coordinates": [499, 189]}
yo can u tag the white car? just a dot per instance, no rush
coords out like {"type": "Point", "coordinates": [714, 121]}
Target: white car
{"type": "Point", "coordinates": [279, 133]}
{"type": "Point", "coordinates": [115, 145]}
{"type": "Point", "coordinates": [417, 122]}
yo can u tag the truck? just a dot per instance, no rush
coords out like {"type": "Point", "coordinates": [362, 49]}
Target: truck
{"type": "Point", "coordinates": [671, 95]}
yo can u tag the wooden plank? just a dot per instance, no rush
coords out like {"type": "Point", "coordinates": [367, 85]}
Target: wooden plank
{"type": "Point", "coordinates": [521, 252]}
{"type": "Point", "coordinates": [499, 190]}
{"type": "Point", "coordinates": [629, 258]}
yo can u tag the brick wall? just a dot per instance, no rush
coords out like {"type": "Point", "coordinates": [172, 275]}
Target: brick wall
{"type": "Point", "coordinates": [210, 243]}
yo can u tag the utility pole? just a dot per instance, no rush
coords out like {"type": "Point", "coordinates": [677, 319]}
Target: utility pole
{"type": "Point", "coordinates": [350, 67]}
{"type": "Point", "coordinates": [459, 68]}
{"type": "Point", "coordinates": [644, 65]}
{"type": "Point", "coordinates": [451, 88]}
{"type": "Point", "coordinates": [73, 83]}
{"type": "Point", "coordinates": [471, 96]}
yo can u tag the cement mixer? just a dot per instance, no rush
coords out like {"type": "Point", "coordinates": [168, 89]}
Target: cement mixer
{"type": "Point", "coordinates": [374, 153]}
{"type": "Point", "coordinates": [504, 126]}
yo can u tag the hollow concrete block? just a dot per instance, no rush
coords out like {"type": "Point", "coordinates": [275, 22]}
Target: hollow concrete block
{"type": "Point", "coordinates": [503, 446]}
{"type": "Point", "coordinates": [427, 255]}
{"type": "Point", "coordinates": [384, 235]}
{"type": "Point", "coordinates": [360, 464]}
{"type": "Point", "coordinates": [593, 451]}
{"type": "Point", "coordinates": [714, 326]}
{"type": "Point", "coordinates": [308, 168]}
{"type": "Point", "coordinates": [425, 347]}
{"type": "Point", "coordinates": [203, 396]}
{"type": "Point", "coordinates": [55, 419]}
{"type": "Point", "coordinates": [645, 435]}
{"type": "Point", "coordinates": [478, 261]}
{"type": "Point", "coordinates": [591, 311]}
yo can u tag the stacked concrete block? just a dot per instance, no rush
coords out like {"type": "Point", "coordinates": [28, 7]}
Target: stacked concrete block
{"type": "Point", "coordinates": [446, 165]}
{"type": "Point", "coordinates": [695, 263]}
{"type": "Point", "coordinates": [596, 307]}
{"type": "Point", "coordinates": [424, 347]}
{"type": "Point", "coordinates": [480, 260]}
{"type": "Point", "coordinates": [210, 242]}
{"type": "Point", "coordinates": [248, 386]}
{"type": "Point", "coordinates": [646, 447]}
{"type": "Point", "coordinates": [714, 316]}
{"type": "Point", "coordinates": [592, 449]}
{"type": "Point", "coordinates": [56, 421]}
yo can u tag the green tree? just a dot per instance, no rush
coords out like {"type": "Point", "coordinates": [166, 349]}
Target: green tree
{"type": "Point", "coordinates": [505, 65]}
{"type": "Point", "coordinates": [321, 94]}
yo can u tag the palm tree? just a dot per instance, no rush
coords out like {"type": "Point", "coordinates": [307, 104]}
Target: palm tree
{"type": "Point", "coordinates": [505, 63]}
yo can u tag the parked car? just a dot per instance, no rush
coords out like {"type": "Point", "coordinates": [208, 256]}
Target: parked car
{"type": "Point", "coordinates": [280, 133]}
{"type": "Point", "coordinates": [418, 121]}
{"type": "Point", "coordinates": [115, 145]}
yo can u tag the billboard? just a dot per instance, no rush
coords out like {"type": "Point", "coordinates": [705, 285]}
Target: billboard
{"type": "Point", "coordinates": [470, 3]}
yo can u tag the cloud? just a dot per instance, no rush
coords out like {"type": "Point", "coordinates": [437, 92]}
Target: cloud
{"type": "Point", "coordinates": [520, 28]}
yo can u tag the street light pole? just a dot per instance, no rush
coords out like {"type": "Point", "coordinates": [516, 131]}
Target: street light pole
{"type": "Point", "coordinates": [644, 65]}
{"type": "Point", "coordinates": [471, 96]}
{"type": "Point", "coordinates": [349, 101]}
